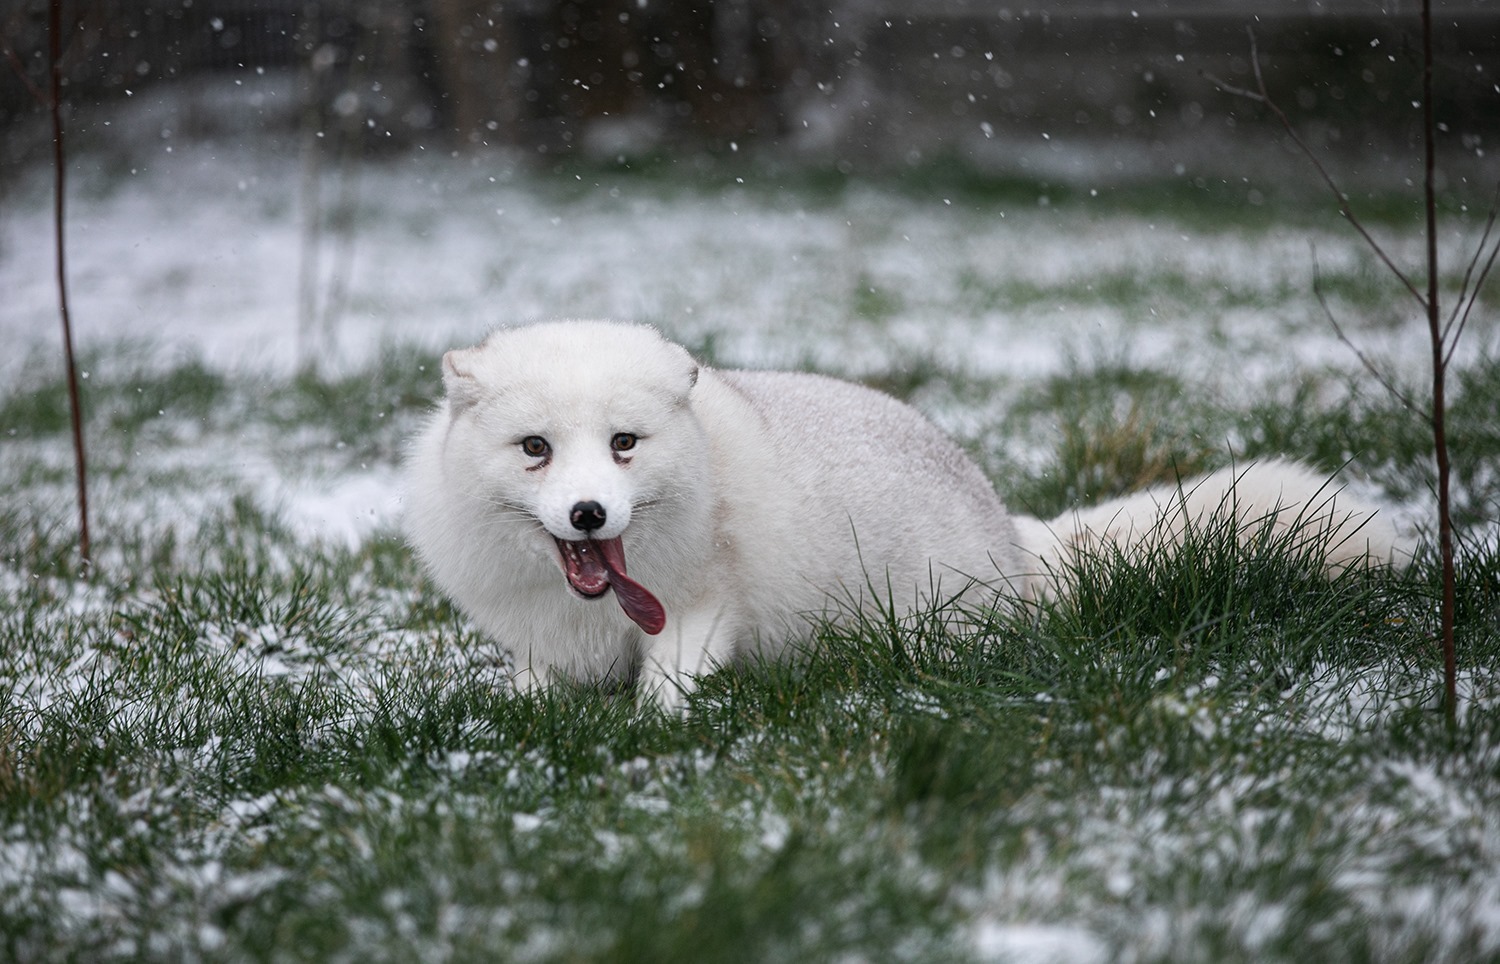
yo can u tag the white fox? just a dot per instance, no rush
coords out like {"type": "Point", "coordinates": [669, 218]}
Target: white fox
{"type": "Point", "coordinates": [747, 504]}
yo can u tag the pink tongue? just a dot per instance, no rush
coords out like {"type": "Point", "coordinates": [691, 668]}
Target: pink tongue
{"type": "Point", "coordinates": [636, 600]}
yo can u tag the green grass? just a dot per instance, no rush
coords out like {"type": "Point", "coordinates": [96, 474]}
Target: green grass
{"type": "Point", "coordinates": [1204, 203]}
{"type": "Point", "coordinates": [1109, 427]}
{"type": "Point", "coordinates": [361, 407]}
{"type": "Point", "coordinates": [862, 802]}
{"type": "Point", "coordinates": [123, 405]}
{"type": "Point", "coordinates": [1363, 289]}
{"type": "Point", "coordinates": [234, 743]}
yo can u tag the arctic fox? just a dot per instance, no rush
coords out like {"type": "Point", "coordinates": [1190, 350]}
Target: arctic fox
{"type": "Point", "coordinates": [745, 504]}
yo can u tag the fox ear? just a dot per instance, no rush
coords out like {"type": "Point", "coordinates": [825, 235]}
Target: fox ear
{"type": "Point", "coordinates": [689, 365]}
{"type": "Point", "coordinates": [459, 381]}
{"type": "Point", "coordinates": [681, 392]}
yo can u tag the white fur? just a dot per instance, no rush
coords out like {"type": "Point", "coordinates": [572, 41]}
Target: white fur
{"type": "Point", "coordinates": [752, 503]}
{"type": "Point", "coordinates": [1276, 493]}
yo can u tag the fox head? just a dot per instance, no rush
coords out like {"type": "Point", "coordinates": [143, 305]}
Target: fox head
{"type": "Point", "coordinates": [583, 426]}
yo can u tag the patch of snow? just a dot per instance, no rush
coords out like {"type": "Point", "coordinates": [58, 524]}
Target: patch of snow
{"type": "Point", "coordinates": [342, 511]}
{"type": "Point", "coordinates": [1037, 944]}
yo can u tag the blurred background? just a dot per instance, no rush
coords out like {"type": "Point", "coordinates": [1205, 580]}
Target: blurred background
{"type": "Point", "coordinates": [999, 87]}
{"type": "Point", "coordinates": [860, 186]}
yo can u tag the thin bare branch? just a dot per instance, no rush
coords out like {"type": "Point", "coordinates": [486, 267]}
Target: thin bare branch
{"type": "Point", "coordinates": [1440, 355]}
{"type": "Point", "coordinates": [55, 51]}
{"type": "Point", "coordinates": [14, 59]}
{"type": "Point", "coordinates": [1468, 292]}
{"type": "Point", "coordinates": [1484, 240]}
{"type": "Point", "coordinates": [1443, 337]}
{"type": "Point", "coordinates": [1262, 95]}
{"type": "Point", "coordinates": [1453, 333]}
{"type": "Point", "coordinates": [1369, 365]}
{"type": "Point", "coordinates": [1230, 89]}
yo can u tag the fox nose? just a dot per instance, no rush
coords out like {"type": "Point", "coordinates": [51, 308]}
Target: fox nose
{"type": "Point", "coordinates": [587, 516]}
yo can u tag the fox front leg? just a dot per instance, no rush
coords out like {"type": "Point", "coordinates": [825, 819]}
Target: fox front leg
{"type": "Point", "coordinates": [698, 642]}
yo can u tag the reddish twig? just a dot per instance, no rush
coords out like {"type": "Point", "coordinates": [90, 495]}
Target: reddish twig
{"type": "Point", "coordinates": [1439, 378]}
{"type": "Point", "coordinates": [1444, 338]}
{"type": "Point", "coordinates": [54, 104]}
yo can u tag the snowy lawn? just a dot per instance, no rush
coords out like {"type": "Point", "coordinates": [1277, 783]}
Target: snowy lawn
{"type": "Point", "coordinates": [258, 733]}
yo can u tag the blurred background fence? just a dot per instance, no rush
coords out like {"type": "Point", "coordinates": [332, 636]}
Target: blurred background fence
{"type": "Point", "coordinates": [852, 83]}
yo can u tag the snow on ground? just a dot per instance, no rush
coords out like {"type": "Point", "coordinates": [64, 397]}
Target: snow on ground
{"type": "Point", "coordinates": [197, 249]}
{"type": "Point", "coordinates": [201, 251]}
{"type": "Point", "coordinates": [198, 252]}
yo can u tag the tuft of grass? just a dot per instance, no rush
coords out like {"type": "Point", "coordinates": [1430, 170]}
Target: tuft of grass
{"type": "Point", "coordinates": [126, 392]}
{"type": "Point", "coordinates": [874, 302]}
{"type": "Point", "coordinates": [1111, 429]}
{"type": "Point", "coordinates": [1108, 428]}
{"type": "Point", "coordinates": [1333, 422]}
{"type": "Point", "coordinates": [1221, 581]}
{"type": "Point", "coordinates": [368, 411]}
{"type": "Point", "coordinates": [914, 376]}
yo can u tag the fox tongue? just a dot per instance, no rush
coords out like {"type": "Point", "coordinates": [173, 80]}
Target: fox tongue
{"type": "Point", "coordinates": [635, 599]}
{"type": "Point", "coordinates": [593, 566]}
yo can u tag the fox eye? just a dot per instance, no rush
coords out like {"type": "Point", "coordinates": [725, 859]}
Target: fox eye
{"type": "Point", "coordinates": [623, 441]}
{"type": "Point", "coordinates": [535, 446]}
